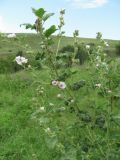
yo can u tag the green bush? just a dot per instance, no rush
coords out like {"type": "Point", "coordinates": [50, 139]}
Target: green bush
{"type": "Point", "coordinates": [81, 54]}
{"type": "Point", "coordinates": [68, 48]}
{"type": "Point", "coordinates": [118, 49]}
{"type": "Point", "coordinates": [8, 65]}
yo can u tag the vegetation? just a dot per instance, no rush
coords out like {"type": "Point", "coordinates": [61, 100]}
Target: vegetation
{"type": "Point", "coordinates": [58, 102]}
{"type": "Point", "coordinates": [8, 46]}
{"type": "Point", "coordinates": [118, 49]}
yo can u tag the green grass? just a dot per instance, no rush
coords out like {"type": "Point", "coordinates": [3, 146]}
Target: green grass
{"type": "Point", "coordinates": [21, 137]}
{"type": "Point", "coordinates": [12, 46]}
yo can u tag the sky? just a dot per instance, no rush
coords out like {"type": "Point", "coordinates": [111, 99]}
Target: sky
{"type": "Point", "coordinates": [88, 16]}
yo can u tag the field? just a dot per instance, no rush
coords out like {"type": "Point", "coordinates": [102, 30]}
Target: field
{"type": "Point", "coordinates": [82, 129]}
{"type": "Point", "coordinates": [14, 46]}
{"type": "Point", "coordinates": [59, 96]}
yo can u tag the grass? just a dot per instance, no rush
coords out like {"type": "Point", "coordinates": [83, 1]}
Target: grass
{"type": "Point", "coordinates": [21, 137]}
{"type": "Point", "coordinates": [8, 46]}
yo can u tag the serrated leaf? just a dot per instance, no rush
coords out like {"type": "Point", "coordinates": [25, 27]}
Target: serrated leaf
{"type": "Point", "coordinates": [50, 31]}
{"type": "Point", "coordinates": [47, 15]}
{"type": "Point", "coordinates": [39, 12]}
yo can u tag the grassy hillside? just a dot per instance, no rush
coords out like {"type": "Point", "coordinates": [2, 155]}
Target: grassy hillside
{"type": "Point", "coordinates": [21, 134]}
{"type": "Point", "coordinates": [20, 137]}
{"type": "Point", "coordinates": [42, 121]}
{"type": "Point", "coordinates": [12, 46]}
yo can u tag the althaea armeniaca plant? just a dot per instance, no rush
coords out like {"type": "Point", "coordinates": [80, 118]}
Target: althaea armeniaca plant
{"type": "Point", "coordinates": [76, 116]}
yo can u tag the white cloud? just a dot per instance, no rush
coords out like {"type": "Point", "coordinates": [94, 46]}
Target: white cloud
{"type": "Point", "coordinates": [88, 3]}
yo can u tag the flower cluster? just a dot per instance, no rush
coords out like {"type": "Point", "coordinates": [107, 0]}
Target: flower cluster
{"type": "Point", "coordinates": [21, 60]}
{"type": "Point", "coordinates": [100, 56]}
{"type": "Point", "coordinates": [61, 85]}
{"type": "Point", "coordinates": [99, 37]}
{"type": "Point", "coordinates": [100, 61]}
{"type": "Point", "coordinates": [61, 19]}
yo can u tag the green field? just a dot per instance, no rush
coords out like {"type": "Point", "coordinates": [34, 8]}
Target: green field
{"type": "Point", "coordinates": [95, 129]}
{"type": "Point", "coordinates": [33, 40]}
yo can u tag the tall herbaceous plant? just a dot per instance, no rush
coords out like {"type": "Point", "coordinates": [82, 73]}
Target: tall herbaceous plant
{"type": "Point", "coordinates": [79, 116]}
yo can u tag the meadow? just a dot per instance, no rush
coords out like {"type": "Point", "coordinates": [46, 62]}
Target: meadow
{"type": "Point", "coordinates": [53, 106]}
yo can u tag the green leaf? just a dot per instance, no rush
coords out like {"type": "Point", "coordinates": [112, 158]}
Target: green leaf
{"type": "Point", "coordinates": [39, 12]}
{"type": "Point", "coordinates": [47, 15]}
{"type": "Point", "coordinates": [50, 31]}
{"type": "Point", "coordinates": [28, 26]}
{"type": "Point", "coordinates": [50, 41]}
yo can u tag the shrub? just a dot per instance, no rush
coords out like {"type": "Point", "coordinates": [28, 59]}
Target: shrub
{"type": "Point", "coordinates": [7, 64]}
{"type": "Point", "coordinates": [68, 48]}
{"type": "Point", "coordinates": [118, 49]}
{"type": "Point", "coordinates": [81, 54]}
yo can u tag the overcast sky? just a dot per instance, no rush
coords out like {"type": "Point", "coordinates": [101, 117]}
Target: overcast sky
{"type": "Point", "coordinates": [88, 16]}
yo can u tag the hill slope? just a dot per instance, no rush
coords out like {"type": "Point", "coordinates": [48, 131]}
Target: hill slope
{"type": "Point", "coordinates": [32, 42]}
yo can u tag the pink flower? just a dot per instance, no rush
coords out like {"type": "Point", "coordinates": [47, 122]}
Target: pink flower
{"type": "Point", "coordinates": [54, 83]}
{"type": "Point", "coordinates": [62, 85]}
{"type": "Point", "coordinates": [21, 60]}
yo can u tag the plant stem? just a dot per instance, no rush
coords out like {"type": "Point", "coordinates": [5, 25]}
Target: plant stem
{"type": "Point", "coordinates": [59, 40]}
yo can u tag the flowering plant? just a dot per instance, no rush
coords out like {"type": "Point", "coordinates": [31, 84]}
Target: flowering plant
{"type": "Point", "coordinates": [76, 116]}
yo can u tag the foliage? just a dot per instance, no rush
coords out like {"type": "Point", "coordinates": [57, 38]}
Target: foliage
{"type": "Point", "coordinates": [42, 16]}
{"type": "Point", "coordinates": [7, 64]}
{"type": "Point", "coordinates": [68, 48]}
{"type": "Point", "coordinates": [50, 31]}
{"type": "Point", "coordinates": [74, 109]}
{"type": "Point", "coordinates": [118, 49]}
{"type": "Point", "coordinates": [81, 53]}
